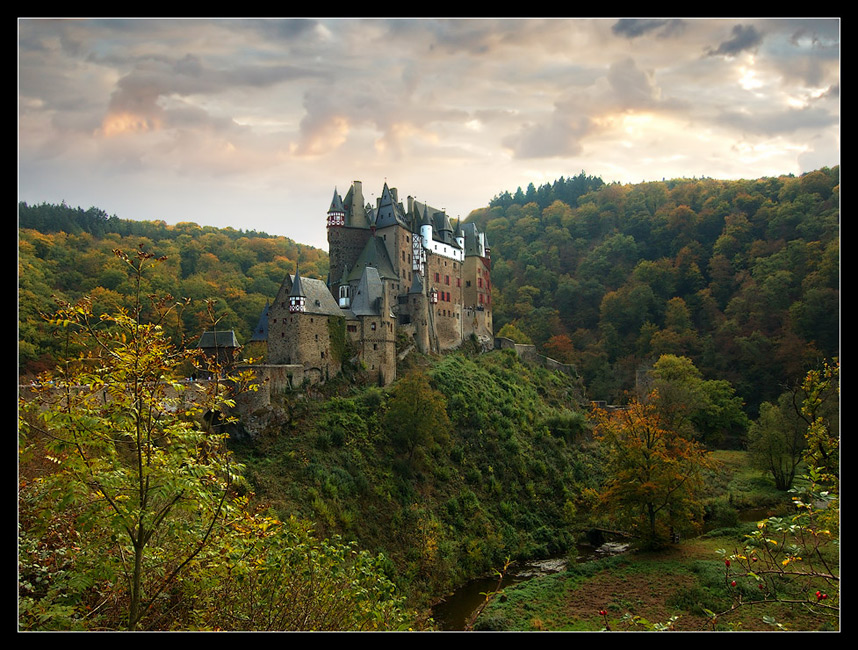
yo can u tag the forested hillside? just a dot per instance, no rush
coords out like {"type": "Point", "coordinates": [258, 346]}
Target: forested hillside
{"type": "Point", "coordinates": [740, 276]}
{"type": "Point", "coordinates": [65, 253]}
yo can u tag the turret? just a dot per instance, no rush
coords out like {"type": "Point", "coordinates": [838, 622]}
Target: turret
{"type": "Point", "coordinates": [460, 235]}
{"type": "Point", "coordinates": [297, 299]}
{"type": "Point", "coordinates": [337, 211]}
{"type": "Point", "coordinates": [426, 228]}
{"type": "Point", "coordinates": [345, 290]}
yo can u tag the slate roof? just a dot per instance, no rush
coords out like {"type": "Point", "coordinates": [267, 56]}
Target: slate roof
{"type": "Point", "coordinates": [474, 245]}
{"type": "Point", "coordinates": [367, 299]}
{"type": "Point", "coordinates": [317, 296]}
{"type": "Point", "coordinates": [374, 254]}
{"type": "Point", "coordinates": [389, 212]}
{"type": "Point", "coordinates": [225, 339]}
{"type": "Point", "coordinates": [261, 331]}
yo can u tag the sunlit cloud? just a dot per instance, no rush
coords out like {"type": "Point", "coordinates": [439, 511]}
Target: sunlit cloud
{"type": "Point", "coordinates": [287, 109]}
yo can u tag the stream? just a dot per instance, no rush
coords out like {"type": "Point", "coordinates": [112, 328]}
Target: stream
{"type": "Point", "coordinates": [452, 613]}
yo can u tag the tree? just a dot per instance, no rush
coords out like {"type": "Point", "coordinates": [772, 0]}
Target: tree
{"type": "Point", "coordinates": [141, 487]}
{"type": "Point", "coordinates": [707, 410]}
{"type": "Point", "coordinates": [654, 473]}
{"type": "Point", "coordinates": [416, 414]}
{"type": "Point", "coordinates": [776, 441]}
{"type": "Point", "coordinates": [795, 559]}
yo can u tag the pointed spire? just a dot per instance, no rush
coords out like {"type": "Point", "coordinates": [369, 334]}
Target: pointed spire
{"type": "Point", "coordinates": [297, 298]}
{"type": "Point", "coordinates": [337, 211]}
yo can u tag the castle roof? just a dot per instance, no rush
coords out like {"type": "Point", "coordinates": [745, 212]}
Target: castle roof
{"type": "Point", "coordinates": [475, 242]}
{"type": "Point", "coordinates": [261, 331]}
{"type": "Point", "coordinates": [317, 296]}
{"type": "Point", "coordinates": [374, 254]}
{"type": "Point", "coordinates": [337, 203]}
{"type": "Point", "coordinates": [356, 213]}
{"type": "Point", "coordinates": [367, 300]}
{"type": "Point", "coordinates": [225, 339]}
{"type": "Point", "coordinates": [416, 284]}
{"type": "Point", "coordinates": [389, 212]}
{"type": "Point", "coordinates": [297, 289]}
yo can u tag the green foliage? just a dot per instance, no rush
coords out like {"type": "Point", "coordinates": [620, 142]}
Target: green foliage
{"type": "Point", "coordinates": [706, 410]}
{"type": "Point", "coordinates": [67, 253]}
{"type": "Point", "coordinates": [795, 559]}
{"type": "Point", "coordinates": [129, 507]}
{"type": "Point", "coordinates": [776, 441]}
{"type": "Point", "coordinates": [741, 277]}
{"type": "Point", "coordinates": [133, 464]}
{"type": "Point", "coordinates": [510, 331]}
{"type": "Point", "coordinates": [416, 414]}
{"type": "Point", "coordinates": [276, 576]}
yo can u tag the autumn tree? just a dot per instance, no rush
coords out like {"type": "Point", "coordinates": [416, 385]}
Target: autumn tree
{"type": "Point", "coordinates": [654, 473]}
{"type": "Point", "coordinates": [138, 486]}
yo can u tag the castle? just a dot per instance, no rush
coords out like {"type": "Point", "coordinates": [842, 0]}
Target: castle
{"type": "Point", "coordinates": [396, 270]}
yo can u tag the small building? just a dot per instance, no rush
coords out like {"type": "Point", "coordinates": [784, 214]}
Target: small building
{"type": "Point", "coordinates": [220, 347]}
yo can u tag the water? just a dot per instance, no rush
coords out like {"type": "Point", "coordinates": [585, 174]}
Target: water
{"type": "Point", "coordinates": [455, 610]}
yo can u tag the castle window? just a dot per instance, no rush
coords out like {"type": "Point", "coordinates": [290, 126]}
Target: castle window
{"type": "Point", "coordinates": [375, 346]}
{"type": "Point", "coordinates": [458, 282]}
{"type": "Point", "coordinates": [437, 277]}
{"type": "Point", "coordinates": [352, 328]}
{"type": "Point", "coordinates": [446, 279]}
{"type": "Point", "coordinates": [323, 355]}
{"type": "Point", "coordinates": [372, 327]}
{"type": "Point", "coordinates": [467, 283]}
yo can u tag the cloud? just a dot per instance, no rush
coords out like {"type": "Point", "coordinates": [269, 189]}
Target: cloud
{"type": "Point", "coordinates": [634, 27]}
{"type": "Point", "coordinates": [632, 87]}
{"type": "Point", "coordinates": [778, 122]}
{"type": "Point", "coordinates": [561, 136]}
{"type": "Point", "coordinates": [744, 38]}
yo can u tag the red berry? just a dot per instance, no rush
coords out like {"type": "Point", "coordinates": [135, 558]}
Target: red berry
{"type": "Point", "coordinates": [733, 584]}
{"type": "Point", "coordinates": [824, 596]}
{"type": "Point", "coordinates": [762, 586]}
{"type": "Point", "coordinates": [727, 562]}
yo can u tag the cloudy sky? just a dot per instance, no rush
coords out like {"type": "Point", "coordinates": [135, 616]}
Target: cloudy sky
{"type": "Point", "coordinates": [253, 123]}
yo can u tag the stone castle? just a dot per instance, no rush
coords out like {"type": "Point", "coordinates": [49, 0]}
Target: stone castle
{"type": "Point", "coordinates": [396, 271]}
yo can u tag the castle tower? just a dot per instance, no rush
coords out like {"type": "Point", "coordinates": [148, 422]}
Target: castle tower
{"type": "Point", "coordinates": [426, 228]}
{"type": "Point", "coordinates": [419, 308]}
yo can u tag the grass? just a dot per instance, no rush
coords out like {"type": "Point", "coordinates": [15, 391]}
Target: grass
{"type": "Point", "coordinates": [678, 586]}
{"type": "Point", "coordinates": [638, 590]}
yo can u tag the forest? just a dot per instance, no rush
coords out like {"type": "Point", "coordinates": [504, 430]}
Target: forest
{"type": "Point", "coordinates": [741, 276]}
{"type": "Point", "coordinates": [709, 310]}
